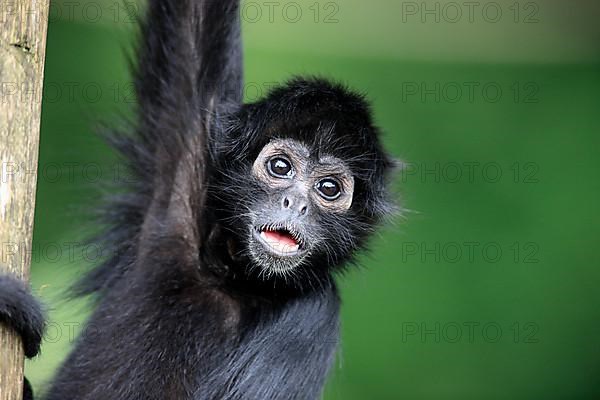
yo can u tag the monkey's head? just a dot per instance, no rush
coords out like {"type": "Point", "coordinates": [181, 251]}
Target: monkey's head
{"type": "Point", "coordinates": [304, 180]}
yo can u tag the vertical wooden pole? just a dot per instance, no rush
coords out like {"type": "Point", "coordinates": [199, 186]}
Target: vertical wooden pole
{"type": "Point", "coordinates": [23, 26]}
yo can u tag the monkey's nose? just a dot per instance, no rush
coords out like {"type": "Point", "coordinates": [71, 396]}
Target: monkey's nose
{"type": "Point", "coordinates": [299, 204]}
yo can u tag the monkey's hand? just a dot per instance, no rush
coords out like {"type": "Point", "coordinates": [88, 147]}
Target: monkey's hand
{"type": "Point", "coordinates": [22, 312]}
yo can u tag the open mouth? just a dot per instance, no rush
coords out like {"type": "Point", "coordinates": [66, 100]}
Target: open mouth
{"type": "Point", "coordinates": [280, 240]}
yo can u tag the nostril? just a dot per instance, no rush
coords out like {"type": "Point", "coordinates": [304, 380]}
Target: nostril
{"type": "Point", "coordinates": [303, 210]}
{"type": "Point", "coordinates": [286, 202]}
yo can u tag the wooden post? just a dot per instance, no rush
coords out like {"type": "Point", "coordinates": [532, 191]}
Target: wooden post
{"type": "Point", "coordinates": [23, 25]}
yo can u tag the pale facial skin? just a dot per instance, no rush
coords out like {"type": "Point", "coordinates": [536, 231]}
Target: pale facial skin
{"type": "Point", "coordinates": [301, 186]}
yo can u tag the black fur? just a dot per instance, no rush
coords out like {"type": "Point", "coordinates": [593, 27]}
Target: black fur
{"type": "Point", "coordinates": [182, 311]}
{"type": "Point", "coordinates": [22, 312]}
{"type": "Point", "coordinates": [329, 119]}
{"type": "Point", "coordinates": [27, 390]}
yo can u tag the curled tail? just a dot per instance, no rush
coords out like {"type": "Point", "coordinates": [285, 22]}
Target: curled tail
{"type": "Point", "coordinates": [22, 312]}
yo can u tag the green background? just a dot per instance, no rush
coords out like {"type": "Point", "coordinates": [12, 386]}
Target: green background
{"type": "Point", "coordinates": [487, 287]}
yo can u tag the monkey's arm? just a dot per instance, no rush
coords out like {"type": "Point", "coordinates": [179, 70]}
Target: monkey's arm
{"type": "Point", "coordinates": [190, 55]}
{"type": "Point", "coordinates": [189, 73]}
{"type": "Point", "coordinates": [188, 68]}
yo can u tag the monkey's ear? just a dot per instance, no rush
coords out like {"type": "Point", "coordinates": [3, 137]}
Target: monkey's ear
{"type": "Point", "coordinates": [382, 204]}
{"type": "Point", "coordinates": [390, 207]}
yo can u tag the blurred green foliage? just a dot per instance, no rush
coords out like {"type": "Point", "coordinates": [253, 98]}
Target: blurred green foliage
{"type": "Point", "coordinates": [488, 285]}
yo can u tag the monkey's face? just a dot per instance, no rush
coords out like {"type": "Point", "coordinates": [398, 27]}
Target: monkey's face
{"type": "Point", "coordinates": [301, 182]}
{"type": "Point", "coordinates": [300, 193]}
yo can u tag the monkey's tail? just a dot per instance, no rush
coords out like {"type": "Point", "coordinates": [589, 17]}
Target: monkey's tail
{"type": "Point", "coordinates": [21, 311]}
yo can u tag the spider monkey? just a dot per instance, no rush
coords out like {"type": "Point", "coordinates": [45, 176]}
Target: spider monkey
{"type": "Point", "coordinates": [225, 246]}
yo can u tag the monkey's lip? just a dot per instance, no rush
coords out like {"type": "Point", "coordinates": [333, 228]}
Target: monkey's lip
{"type": "Point", "coordinates": [281, 240]}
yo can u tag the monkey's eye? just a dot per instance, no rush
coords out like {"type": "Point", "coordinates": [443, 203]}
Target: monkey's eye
{"type": "Point", "coordinates": [329, 189]}
{"type": "Point", "coordinates": [279, 167]}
